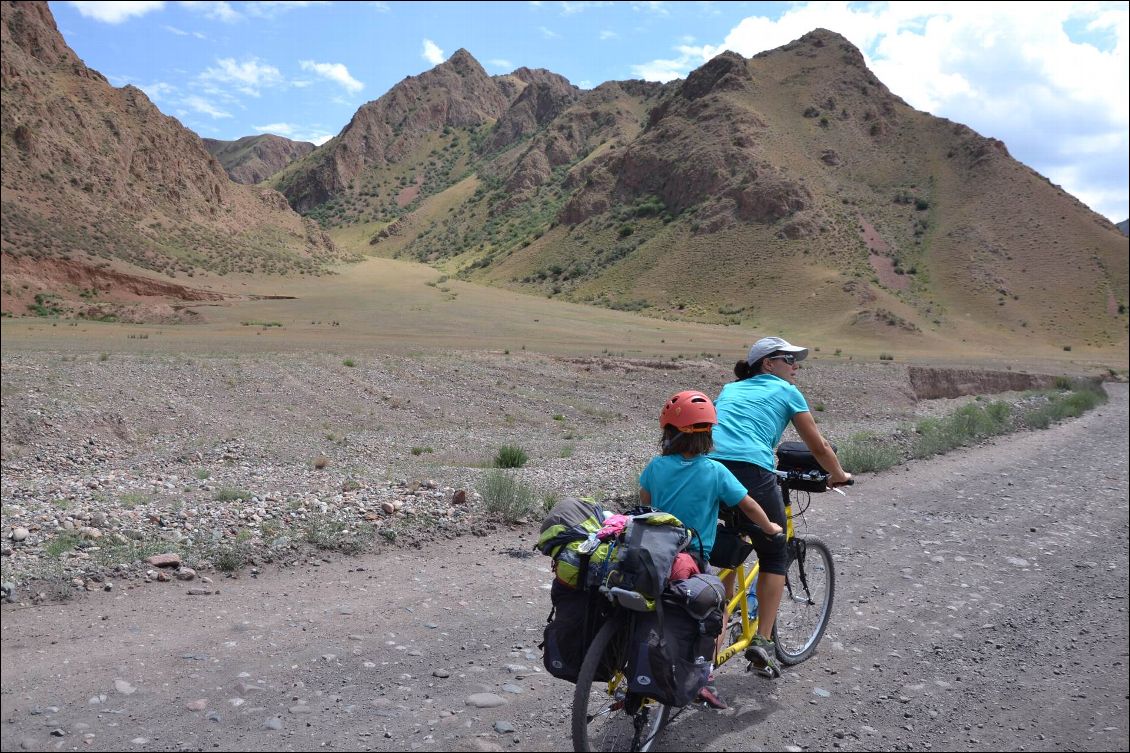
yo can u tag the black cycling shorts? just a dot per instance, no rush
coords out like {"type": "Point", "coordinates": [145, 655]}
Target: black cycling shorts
{"type": "Point", "coordinates": [763, 487]}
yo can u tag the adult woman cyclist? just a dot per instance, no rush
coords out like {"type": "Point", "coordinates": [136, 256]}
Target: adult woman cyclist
{"type": "Point", "coordinates": [753, 412]}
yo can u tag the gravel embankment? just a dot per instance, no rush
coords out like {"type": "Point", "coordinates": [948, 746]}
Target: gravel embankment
{"type": "Point", "coordinates": [250, 458]}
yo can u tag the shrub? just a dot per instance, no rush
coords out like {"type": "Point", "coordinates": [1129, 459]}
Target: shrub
{"type": "Point", "coordinates": [865, 452]}
{"type": "Point", "coordinates": [349, 362]}
{"type": "Point", "coordinates": [510, 456]}
{"type": "Point", "coordinates": [230, 557]}
{"type": "Point", "coordinates": [505, 496]}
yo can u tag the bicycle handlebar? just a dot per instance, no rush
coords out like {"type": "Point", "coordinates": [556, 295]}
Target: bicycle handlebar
{"type": "Point", "coordinates": [811, 480]}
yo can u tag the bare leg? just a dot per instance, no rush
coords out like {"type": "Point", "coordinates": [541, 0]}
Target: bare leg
{"type": "Point", "coordinates": [770, 587]}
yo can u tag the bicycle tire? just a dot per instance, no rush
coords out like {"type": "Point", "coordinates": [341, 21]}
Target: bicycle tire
{"type": "Point", "coordinates": [806, 605]}
{"type": "Point", "coordinates": [600, 721]}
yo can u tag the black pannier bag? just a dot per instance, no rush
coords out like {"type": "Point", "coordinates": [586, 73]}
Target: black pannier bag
{"type": "Point", "coordinates": [576, 617]}
{"type": "Point", "coordinates": [671, 648]}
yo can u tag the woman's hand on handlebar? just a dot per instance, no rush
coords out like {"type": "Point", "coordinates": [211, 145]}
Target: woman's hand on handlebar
{"type": "Point", "coordinates": [772, 530]}
{"type": "Point", "coordinates": [840, 480]}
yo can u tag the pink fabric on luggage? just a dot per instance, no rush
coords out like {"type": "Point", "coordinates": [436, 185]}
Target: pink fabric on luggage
{"type": "Point", "coordinates": [612, 527]}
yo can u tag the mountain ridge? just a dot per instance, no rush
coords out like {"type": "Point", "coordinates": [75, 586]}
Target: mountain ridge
{"type": "Point", "coordinates": [100, 177]}
{"type": "Point", "coordinates": [253, 159]}
{"type": "Point", "coordinates": [885, 219]}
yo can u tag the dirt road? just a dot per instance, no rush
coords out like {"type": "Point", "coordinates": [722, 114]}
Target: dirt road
{"type": "Point", "coordinates": [981, 605]}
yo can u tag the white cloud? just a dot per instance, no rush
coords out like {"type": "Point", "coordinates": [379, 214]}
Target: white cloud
{"type": "Point", "coordinates": [182, 32]}
{"type": "Point", "coordinates": [217, 10]}
{"type": "Point", "coordinates": [335, 72]}
{"type": "Point", "coordinates": [502, 63]}
{"type": "Point", "coordinates": [158, 91]}
{"type": "Point", "coordinates": [379, 6]}
{"type": "Point", "coordinates": [248, 77]}
{"type": "Point", "coordinates": [569, 8]}
{"type": "Point", "coordinates": [432, 53]}
{"type": "Point", "coordinates": [607, 34]}
{"type": "Point", "coordinates": [1008, 70]}
{"type": "Point", "coordinates": [295, 133]}
{"type": "Point", "coordinates": [273, 8]}
{"type": "Point", "coordinates": [115, 12]}
{"type": "Point", "coordinates": [278, 129]}
{"type": "Point", "coordinates": [199, 104]}
{"type": "Point", "coordinates": [548, 33]}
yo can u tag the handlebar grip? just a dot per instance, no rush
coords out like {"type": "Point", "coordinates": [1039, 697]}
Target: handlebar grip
{"type": "Point", "coordinates": [849, 482]}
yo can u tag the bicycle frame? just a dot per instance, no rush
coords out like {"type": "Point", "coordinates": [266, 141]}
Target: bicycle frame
{"type": "Point", "coordinates": [739, 602]}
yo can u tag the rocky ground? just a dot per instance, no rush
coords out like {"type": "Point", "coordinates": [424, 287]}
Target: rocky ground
{"type": "Point", "coordinates": [111, 459]}
{"type": "Point", "coordinates": [981, 601]}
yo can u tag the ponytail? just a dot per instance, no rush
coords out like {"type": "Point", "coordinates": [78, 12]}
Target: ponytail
{"type": "Point", "coordinates": [742, 370]}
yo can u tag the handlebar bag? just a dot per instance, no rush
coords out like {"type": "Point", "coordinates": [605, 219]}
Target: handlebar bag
{"type": "Point", "coordinates": [795, 456]}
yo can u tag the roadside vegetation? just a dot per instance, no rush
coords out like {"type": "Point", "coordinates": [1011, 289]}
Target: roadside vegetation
{"type": "Point", "coordinates": [867, 452]}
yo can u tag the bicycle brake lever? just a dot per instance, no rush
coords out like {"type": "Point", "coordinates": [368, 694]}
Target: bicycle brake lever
{"type": "Point", "coordinates": [838, 490]}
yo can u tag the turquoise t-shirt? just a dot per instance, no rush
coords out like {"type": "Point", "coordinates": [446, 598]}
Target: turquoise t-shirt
{"type": "Point", "coordinates": [691, 490]}
{"type": "Point", "coordinates": [752, 416]}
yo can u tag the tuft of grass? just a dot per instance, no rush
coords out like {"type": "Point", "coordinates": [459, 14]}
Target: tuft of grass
{"type": "Point", "coordinates": [231, 494]}
{"type": "Point", "coordinates": [130, 500]}
{"type": "Point", "coordinates": [330, 534]}
{"type": "Point", "coordinates": [61, 544]}
{"type": "Point", "coordinates": [349, 362]}
{"type": "Point", "coordinates": [421, 450]}
{"type": "Point", "coordinates": [321, 462]}
{"type": "Point", "coordinates": [510, 456]}
{"type": "Point", "coordinates": [506, 496]}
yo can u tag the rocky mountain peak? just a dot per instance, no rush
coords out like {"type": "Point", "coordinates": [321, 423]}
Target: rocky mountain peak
{"type": "Point", "coordinates": [463, 63]}
{"type": "Point", "coordinates": [31, 27]}
{"type": "Point", "coordinates": [726, 70]}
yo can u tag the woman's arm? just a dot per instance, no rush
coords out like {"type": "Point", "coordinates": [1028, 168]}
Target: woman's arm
{"type": "Point", "coordinates": [806, 427]}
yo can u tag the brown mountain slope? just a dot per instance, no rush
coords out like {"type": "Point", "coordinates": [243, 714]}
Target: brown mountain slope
{"type": "Point", "coordinates": [94, 174]}
{"type": "Point", "coordinates": [253, 159]}
{"type": "Point", "coordinates": [787, 190]}
{"type": "Point", "coordinates": [458, 93]}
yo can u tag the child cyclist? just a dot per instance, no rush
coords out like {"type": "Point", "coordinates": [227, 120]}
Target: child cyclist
{"type": "Point", "coordinates": [684, 482]}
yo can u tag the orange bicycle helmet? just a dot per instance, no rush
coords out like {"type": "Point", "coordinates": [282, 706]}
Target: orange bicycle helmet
{"type": "Point", "coordinates": [689, 411]}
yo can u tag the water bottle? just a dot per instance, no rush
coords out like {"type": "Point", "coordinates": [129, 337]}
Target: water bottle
{"type": "Point", "coordinates": [751, 600]}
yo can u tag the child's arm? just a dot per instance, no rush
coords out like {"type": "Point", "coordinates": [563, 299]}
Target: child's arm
{"type": "Point", "coordinates": [645, 497]}
{"type": "Point", "coordinates": [754, 512]}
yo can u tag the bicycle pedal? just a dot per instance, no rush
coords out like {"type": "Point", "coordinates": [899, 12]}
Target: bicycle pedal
{"type": "Point", "coordinates": [769, 672]}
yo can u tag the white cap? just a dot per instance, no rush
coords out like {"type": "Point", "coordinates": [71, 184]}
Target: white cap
{"type": "Point", "coordinates": [767, 345]}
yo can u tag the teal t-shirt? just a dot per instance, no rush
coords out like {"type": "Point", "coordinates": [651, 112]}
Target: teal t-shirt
{"type": "Point", "coordinates": [752, 416]}
{"type": "Point", "coordinates": [691, 490]}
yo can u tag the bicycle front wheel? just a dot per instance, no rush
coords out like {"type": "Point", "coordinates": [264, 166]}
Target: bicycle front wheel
{"type": "Point", "coordinates": [605, 716]}
{"type": "Point", "coordinates": [806, 605]}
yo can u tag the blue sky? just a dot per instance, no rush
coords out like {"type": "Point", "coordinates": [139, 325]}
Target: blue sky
{"type": "Point", "coordinates": [1050, 79]}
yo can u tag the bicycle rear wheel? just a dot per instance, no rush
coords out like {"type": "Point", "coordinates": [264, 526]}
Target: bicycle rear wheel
{"type": "Point", "coordinates": [806, 606]}
{"type": "Point", "coordinates": [601, 718]}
